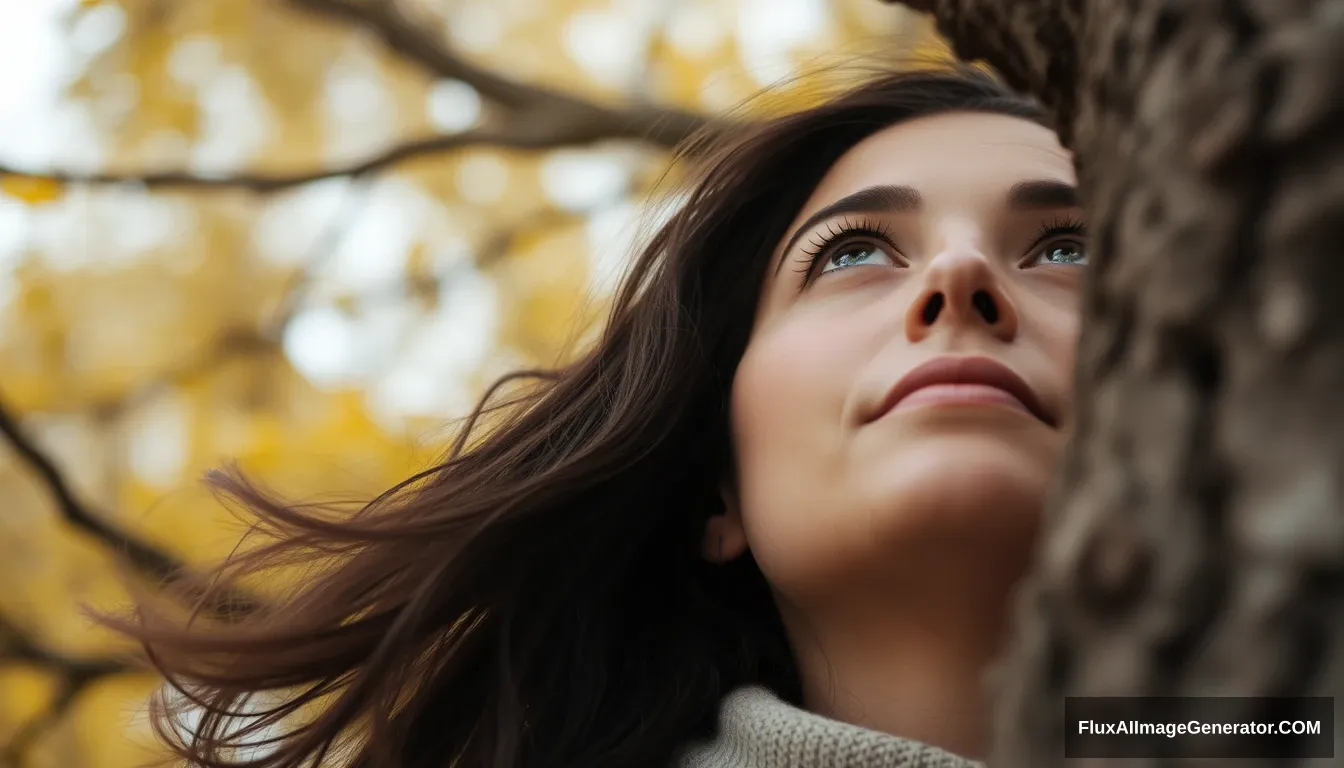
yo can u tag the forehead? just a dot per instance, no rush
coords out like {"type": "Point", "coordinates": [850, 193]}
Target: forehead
{"type": "Point", "coordinates": [952, 155]}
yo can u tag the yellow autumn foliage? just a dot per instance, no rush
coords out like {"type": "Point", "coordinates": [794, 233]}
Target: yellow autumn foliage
{"type": "Point", "coordinates": [321, 335]}
{"type": "Point", "coordinates": [33, 190]}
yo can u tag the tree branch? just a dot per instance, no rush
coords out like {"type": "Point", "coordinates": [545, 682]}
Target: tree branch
{"type": "Point", "coordinates": [17, 645]}
{"type": "Point", "coordinates": [535, 118]}
{"type": "Point", "coordinates": [76, 675]}
{"type": "Point", "coordinates": [411, 39]}
{"type": "Point", "coordinates": [145, 557]}
{"type": "Point", "coordinates": [275, 182]}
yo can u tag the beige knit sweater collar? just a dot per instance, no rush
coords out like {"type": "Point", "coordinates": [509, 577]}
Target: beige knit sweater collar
{"type": "Point", "coordinates": [759, 730]}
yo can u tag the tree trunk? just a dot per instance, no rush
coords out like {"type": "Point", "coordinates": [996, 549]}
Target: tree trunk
{"type": "Point", "coordinates": [1195, 541]}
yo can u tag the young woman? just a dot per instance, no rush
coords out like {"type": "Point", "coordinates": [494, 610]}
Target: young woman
{"type": "Point", "coordinates": [773, 518]}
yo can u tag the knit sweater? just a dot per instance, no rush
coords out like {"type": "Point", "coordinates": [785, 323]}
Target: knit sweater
{"type": "Point", "coordinates": [759, 730]}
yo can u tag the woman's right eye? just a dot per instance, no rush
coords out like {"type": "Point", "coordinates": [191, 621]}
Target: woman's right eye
{"type": "Point", "coordinates": [855, 254]}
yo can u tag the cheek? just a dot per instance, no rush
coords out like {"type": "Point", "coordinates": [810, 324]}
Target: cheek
{"type": "Point", "coordinates": [788, 409]}
{"type": "Point", "coordinates": [1052, 320]}
{"type": "Point", "coordinates": [791, 381]}
{"type": "Point", "coordinates": [1059, 332]}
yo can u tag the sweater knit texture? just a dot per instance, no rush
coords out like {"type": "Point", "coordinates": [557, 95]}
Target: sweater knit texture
{"type": "Point", "coordinates": [757, 729]}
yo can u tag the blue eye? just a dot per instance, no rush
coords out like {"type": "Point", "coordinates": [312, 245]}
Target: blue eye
{"type": "Point", "coordinates": [853, 254]}
{"type": "Point", "coordinates": [849, 245]}
{"type": "Point", "coordinates": [1059, 242]}
{"type": "Point", "coordinates": [1063, 253]}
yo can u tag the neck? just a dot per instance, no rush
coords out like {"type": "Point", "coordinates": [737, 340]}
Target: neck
{"type": "Point", "coordinates": [913, 666]}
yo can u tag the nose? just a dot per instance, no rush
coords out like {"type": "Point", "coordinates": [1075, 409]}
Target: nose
{"type": "Point", "coordinates": [960, 292]}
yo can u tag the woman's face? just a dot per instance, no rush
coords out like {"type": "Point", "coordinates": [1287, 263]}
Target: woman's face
{"type": "Point", "coordinates": [901, 403]}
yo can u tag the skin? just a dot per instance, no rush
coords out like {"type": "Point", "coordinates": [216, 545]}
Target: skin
{"type": "Point", "coordinates": [893, 544]}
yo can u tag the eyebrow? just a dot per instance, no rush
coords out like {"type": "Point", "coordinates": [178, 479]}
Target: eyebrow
{"type": "Point", "coordinates": [1042, 193]}
{"type": "Point", "coordinates": [885, 198]}
{"type": "Point", "coordinates": [1030, 195]}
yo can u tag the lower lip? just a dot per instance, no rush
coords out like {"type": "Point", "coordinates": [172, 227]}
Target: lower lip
{"type": "Point", "coordinates": [960, 394]}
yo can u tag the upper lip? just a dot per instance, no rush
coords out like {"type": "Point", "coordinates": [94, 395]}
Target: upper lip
{"type": "Point", "coordinates": [963, 370]}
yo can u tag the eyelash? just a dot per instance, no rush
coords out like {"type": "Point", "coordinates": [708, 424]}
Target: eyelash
{"type": "Point", "coordinates": [825, 243]}
{"type": "Point", "coordinates": [1059, 227]}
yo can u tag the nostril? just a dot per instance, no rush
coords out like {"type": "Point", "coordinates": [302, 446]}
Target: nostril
{"type": "Point", "coordinates": [932, 308]}
{"type": "Point", "coordinates": [984, 304]}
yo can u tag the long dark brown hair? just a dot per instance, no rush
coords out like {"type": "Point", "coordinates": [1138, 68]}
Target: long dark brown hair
{"type": "Point", "coordinates": [540, 598]}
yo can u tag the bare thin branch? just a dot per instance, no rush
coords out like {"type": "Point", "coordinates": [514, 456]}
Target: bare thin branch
{"type": "Point", "coordinates": [142, 555]}
{"type": "Point", "coordinates": [17, 645]}
{"type": "Point", "coordinates": [265, 183]}
{"type": "Point", "coordinates": [413, 40]}
{"type": "Point", "coordinates": [535, 117]}
{"type": "Point", "coordinates": [585, 124]}
{"type": "Point", "coordinates": [145, 556]}
{"type": "Point", "coordinates": [76, 674]}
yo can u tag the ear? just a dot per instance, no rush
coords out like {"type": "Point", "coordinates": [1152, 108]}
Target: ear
{"type": "Point", "coordinates": [725, 536]}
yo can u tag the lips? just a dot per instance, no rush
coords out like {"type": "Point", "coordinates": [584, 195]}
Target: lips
{"type": "Point", "coordinates": [977, 373]}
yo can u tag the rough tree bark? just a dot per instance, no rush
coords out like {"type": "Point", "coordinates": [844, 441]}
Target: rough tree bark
{"type": "Point", "coordinates": [1195, 541]}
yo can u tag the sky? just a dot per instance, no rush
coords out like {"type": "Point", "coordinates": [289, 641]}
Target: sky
{"type": "Point", "coordinates": [408, 368]}
{"type": "Point", "coordinates": [31, 60]}
{"type": "Point", "coordinates": [409, 365]}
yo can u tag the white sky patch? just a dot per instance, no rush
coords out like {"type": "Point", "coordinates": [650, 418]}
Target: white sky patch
{"type": "Point", "coordinates": [352, 94]}
{"type": "Point", "coordinates": [321, 343]}
{"type": "Point", "coordinates": [14, 233]}
{"type": "Point", "coordinates": [165, 147]}
{"type": "Point", "coordinates": [523, 10]}
{"type": "Point", "coordinates": [696, 30]}
{"type": "Point", "coordinates": [428, 376]}
{"type": "Point", "coordinates": [369, 348]}
{"type": "Point", "coordinates": [615, 232]}
{"type": "Point", "coordinates": [60, 230]}
{"type": "Point", "coordinates": [361, 113]}
{"type": "Point", "coordinates": [718, 93]}
{"type": "Point", "coordinates": [606, 44]}
{"type": "Point", "coordinates": [372, 253]}
{"type": "Point", "coordinates": [115, 96]}
{"type": "Point", "coordinates": [293, 221]}
{"type": "Point", "coordinates": [105, 227]}
{"type": "Point", "coordinates": [80, 139]}
{"type": "Point", "coordinates": [195, 60]}
{"type": "Point", "coordinates": [453, 106]}
{"type": "Point", "coordinates": [97, 28]}
{"type": "Point", "coordinates": [235, 125]}
{"type": "Point", "coordinates": [34, 58]}
{"type": "Point", "coordinates": [477, 26]}
{"type": "Point", "coordinates": [612, 235]}
{"type": "Point", "coordinates": [380, 227]}
{"type": "Point", "coordinates": [482, 179]}
{"type": "Point", "coordinates": [768, 31]}
{"type": "Point", "coordinates": [159, 442]}
{"type": "Point", "coordinates": [580, 179]}
{"type": "Point", "coordinates": [14, 228]}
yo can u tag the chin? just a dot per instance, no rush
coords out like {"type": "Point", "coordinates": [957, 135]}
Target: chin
{"type": "Point", "coordinates": [929, 514]}
{"type": "Point", "coordinates": [955, 485]}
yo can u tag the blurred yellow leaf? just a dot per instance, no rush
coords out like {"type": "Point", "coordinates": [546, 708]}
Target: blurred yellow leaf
{"type": "Point", "coordinates": [25, 693]}
{"type": "Point", "coordinates": [33, 190]}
